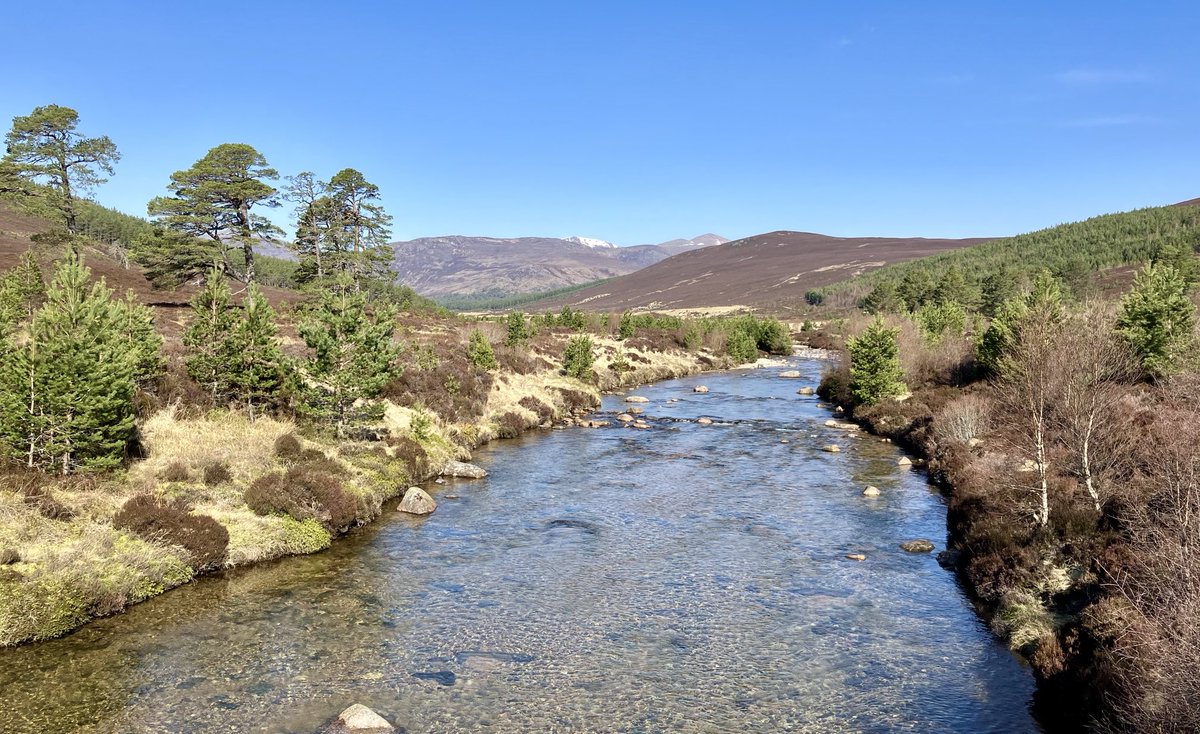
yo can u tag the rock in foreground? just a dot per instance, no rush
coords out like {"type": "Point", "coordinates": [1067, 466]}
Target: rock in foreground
{"type": "Point", "coordinates": [417, 502]}
{"type": "Point", "coordinates": [463, 470]}
{"type": "Point", "coordinates": [359, 718]}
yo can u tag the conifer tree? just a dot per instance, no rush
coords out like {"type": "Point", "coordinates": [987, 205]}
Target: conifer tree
{"type": "Point", "coordinates": [45, 146]}
{"type": "Point", "coordinates": [256, 366]}
{"type": "Point", "coordinates": [207, 337]}
{"type": "Point", "coordinates": [875, 371]}
{"type": "Point", "coordinates": [352, 356]}
{"type": "Point", "coordinates": [68, 389]}
{"type": "Point", "coordinates": [143, 345]}
{"type": "Point", "coordinates": [1158, 319]}
{"type": "Point", "coordinates": [884, 298]}
{"type": "Point", "coordinates": [363, 226]}
{"type": "Point", "coordinates": [578, 357]}
{"type": "Point", "coordinates": [954, 288]}
{"type": "Point", "coordinates": [517, 331]}
{"type": "Point", "coordinates": [479, 351]}
{"type": "Point", "coordinates": [22, 290]}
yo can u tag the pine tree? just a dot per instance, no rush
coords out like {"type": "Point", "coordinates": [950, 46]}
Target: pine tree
{"type": "Point", "coordinates": [256, 367]}
{"type": "Point", "coordinates": [352, 356]}
{"type": "Point", "coordinates": [578, 357]}
{"type": "Point", "coordinates": [479, 351]}
{"type": "Point", "coordinates": [67, 391]}
{"type": "Point", "coordinates": [997, 287]}
{"type": "Point", "coordinates": [916, 289]}
{"type": "Point", "coordinates": [143, 345]}
{"type": "Point", "coordinates": [1157, 319]}
{"type": "Point", "coordinates": [954, 288]}
{"type": "Point", "coordinates": [875, 371]}
{"type": "Point", "coordinates": [883, 298]}
{"type": "Point", "coordinates": [518, 332]}
{"type": "Point", "coordinates": [207, 337]}
{"type": "Point", "coordinates": [22, 291]}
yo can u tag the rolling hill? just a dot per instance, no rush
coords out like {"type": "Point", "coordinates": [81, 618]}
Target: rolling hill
{"type": "Point", "coordinates": [772, 269]}
{"type": "Point", "coordinates": [471, 266]}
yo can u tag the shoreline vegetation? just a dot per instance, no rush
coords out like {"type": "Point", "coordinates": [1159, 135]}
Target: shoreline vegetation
{"type": "Point", "coordinates": [1062, 425]}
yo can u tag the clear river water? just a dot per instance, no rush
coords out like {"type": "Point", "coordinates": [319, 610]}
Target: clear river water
{"type": "Point", "coordinates": [683, 578]}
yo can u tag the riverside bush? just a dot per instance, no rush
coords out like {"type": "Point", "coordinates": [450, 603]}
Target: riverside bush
{"type": "Point", "coordinates": [303, 494]}
{"type": "Point", "coordinates": [205, 539]}
{"type": "Point", "coordinates": [578, 358]}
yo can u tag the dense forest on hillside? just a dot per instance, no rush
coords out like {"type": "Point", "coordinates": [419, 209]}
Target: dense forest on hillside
{"type": "Point", "coordinates": [1073, 252]}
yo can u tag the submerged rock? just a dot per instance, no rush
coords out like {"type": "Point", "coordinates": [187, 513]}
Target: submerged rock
{"type": "Point", "coordinates": [704, 421]}
{"type": "Point", "coordinates": [791, 374]}
{"type": "Point", "coordinates": [417, 502]}
{"type": "Point", "coordinates": [359, 718]}
{"type": "Point", "coordinates": [700, 388]}
{"type": "Point", "coordinates": [636, 411]}
{"type": "Point", "coordinates": [463, 470]}
{"type": "Point", "coordinates": [856, 556]}
{"type": "Point", "coordinates": [831, 448]}
{"type": "Point", "coordinates": [920, 545]}
{"type": "Point", "coordinates": [806, 391]}
{"type": "Point", "coordinates": [871, 492]}
{"type": "Point", "coordinates": [842, 425]}
{"type": "Point", "coordinates": [637, 399]}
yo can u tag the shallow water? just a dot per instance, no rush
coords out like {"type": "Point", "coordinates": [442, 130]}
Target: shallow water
{"type": "Point", "coordinates": [684, 578]}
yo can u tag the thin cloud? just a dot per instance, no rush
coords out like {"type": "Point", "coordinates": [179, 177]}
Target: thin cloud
{"type": "Point", "coordinates": [1102, 121]}
{"type": "Point", "coordinates": [1099, 77]}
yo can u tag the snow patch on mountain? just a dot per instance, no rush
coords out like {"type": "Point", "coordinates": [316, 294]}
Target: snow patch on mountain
{"type": "Point", "coordinates": [590, 242]}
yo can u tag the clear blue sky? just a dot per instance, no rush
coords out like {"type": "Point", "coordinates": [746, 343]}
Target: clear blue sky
{"type": "Point", "coordinates": [643, 121]}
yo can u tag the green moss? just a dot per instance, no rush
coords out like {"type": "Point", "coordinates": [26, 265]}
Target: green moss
{"type": "Point", "coordinates": [40, 609]}
{"type": "Point", "coordinates": [307, 536]}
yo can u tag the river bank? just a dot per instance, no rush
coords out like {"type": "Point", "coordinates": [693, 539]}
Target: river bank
{"type": "Point", "coordinates": [65, 562]}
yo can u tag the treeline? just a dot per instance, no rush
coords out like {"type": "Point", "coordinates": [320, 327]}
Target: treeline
{"type": "Point", "coordinates": [500, 301]}
{"type": "Point", "coordinates": [1072, 252]}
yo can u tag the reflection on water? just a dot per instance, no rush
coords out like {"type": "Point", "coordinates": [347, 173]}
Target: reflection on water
{"type": "Point", "coordinates": [684, 578]}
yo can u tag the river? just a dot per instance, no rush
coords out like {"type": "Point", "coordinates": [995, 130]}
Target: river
{"type": "Point", "coordinates": [683, 578]}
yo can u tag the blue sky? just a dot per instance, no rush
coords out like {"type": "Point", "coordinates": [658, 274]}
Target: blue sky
{"type": "Point", "coordinates": [643, 121]}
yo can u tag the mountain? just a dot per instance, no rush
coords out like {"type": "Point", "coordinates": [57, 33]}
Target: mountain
{"type": "Point", "coordinates": [775, 268]}
{"type": "Point", "coordinates": [463, 266]}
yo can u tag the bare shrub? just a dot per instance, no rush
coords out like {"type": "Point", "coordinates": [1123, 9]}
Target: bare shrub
{"type": "Point", "coordinates": [176, 471]}
{"type": "Point", "coordinates": [205, 539]}
{"type": "Point", "coordinates": [964, 418]}
{"type": "Point", "coordinates": [544, 413]}
{"type": "Point", "coordinates": [510, 425]}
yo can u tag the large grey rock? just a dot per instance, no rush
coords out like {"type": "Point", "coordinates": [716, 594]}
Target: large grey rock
{"type": "Point", "coordinates": [791, 374]}
{"type": "Point", "coordinates": [919, 545]}
{"type": "Point", "coordinates": [359, 718]}
{"type": "Point", "coordinates": [636, 399]}
{"type": "Point", "coordinates": [463, 470]}
{"type": "Point", "coordinates": [805, 391]}
{"type": "Point", "coordinates": [417, 502]}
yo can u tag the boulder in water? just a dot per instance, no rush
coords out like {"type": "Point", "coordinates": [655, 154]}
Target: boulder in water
{"type": "Point", "coordinates": [805, 391]}
{"type": "Point", "coordinates": [637, 399]}
{"type": "Point", "coordinates": [704, 421]}
{"type": "Point", "coordinates": [625, 418]}
{"type": "Point", "coordinates": [791, 374]}
{"type": "Point", "coordinates": [920, 545]}
{"type": "Point", "coordinates": [871, 492]}
{"type": "Point", "coordinates": [831, 448]}
{"type": "Point", "coordinates": [417, 502]}
{"type": "Point", "coordinates": [464, 470]}
{"type": "Point", "coordinates": [904, 461]}
{"type": "Point", "coordinates": [635, 410]}
{"type": "Point", "coordinates": [359, 718]}
{"type": "Point", "coordinates": [856, 556]}
{"type": "Point", "coordinates": [700, 388]}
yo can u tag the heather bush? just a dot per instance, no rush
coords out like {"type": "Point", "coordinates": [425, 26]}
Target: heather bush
{"type": "Point", "coordinates": [302, 494]}
{"type": "Point", "coordinates": [544, 412]}
{"type": "Point", "coordinates": [217, 473]}
{"type": "Point", "coordinates": [176, 471]}
{"type": "Point", "coordinates": [287, 447]}
{"type": "Point", "coordinates": [510, 425]}
{"type": "Point", "coordinates": [205, 539]}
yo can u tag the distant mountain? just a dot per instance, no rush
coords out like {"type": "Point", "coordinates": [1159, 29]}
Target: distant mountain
{"type": "Point", "coordinates": [775, 268]}
{"type": "Point", "coordinates": [464, 266]}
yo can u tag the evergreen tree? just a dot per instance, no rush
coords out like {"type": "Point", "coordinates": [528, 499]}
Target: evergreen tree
{"type": "Point", "coordinates": [207, 337]}
{"type": "Point", "coordinates": [143, 346]}
{"type": "Point", "coordinates": [627, 326]}
{"type": "Point", "coordinates": [67, 391]}
{"type": "Point", "coordinates": [352, 356]}
{"type": "Point", "coordinates": [256, 368]}
{"type": "Point", "coordinates": [1181, 255]}
{"type": "Point", "coordinates": [578, 358]}
{"type": "Point", "coordinates": [1158, 319]}
{"type": "Point", "coordinates": [363, 226]}
{"type": "Point", "coordinates": [997, 287]}
{"type": "Point", "coordinates": [916, 288]}
{"type": "Point", "coordinates": [875, 371]}
{"type": "Point", "coordinates": [214, 199]}
{"type": "Point", "coordinates": [954, 288]}
{"type": "Point", "coordinates": [518, 332]}
{"type": "Point", "coordinates": [22, 291]}
{"type": "Point", "coordinates": [1044, 302]}
{"type": "Point", "coordinates": [883, 298]}
{"type": "Point", "coordinates": [44, 146]}
{"type": "Point", "coordinates": [479, 351]}
{"type": "Point", "coordinates": [741, 345]}
{"type": "Point", "coordinates": [935, 319]}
